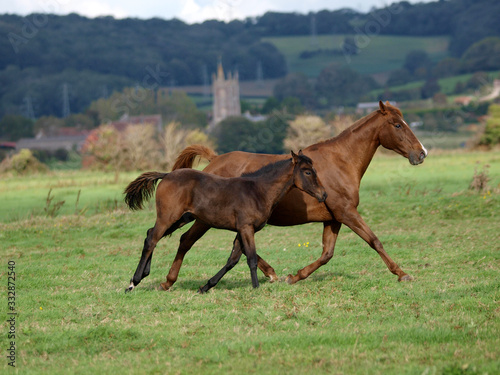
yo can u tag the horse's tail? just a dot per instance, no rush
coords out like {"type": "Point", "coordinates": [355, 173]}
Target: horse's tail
{"type": "Point", "coordinates": [187, 156]}
{"type": "Point", "coordinates": [141, 189]}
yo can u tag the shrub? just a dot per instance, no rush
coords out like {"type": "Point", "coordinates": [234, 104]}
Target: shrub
{"type": "Point", "coordinates": [22, 163]}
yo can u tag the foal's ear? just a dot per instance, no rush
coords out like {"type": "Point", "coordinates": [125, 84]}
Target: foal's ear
{"type": "Point", "coordinates": [295, 158]}
{"type": "Point", "coordinates": [383, 108]}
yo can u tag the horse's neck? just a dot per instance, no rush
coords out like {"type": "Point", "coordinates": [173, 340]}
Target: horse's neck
{"type": "Point", "coordinates": [359, 143]}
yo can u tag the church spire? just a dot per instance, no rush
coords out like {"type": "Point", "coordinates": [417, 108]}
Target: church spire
{"type": "Point", "coordinates": [220, 70]}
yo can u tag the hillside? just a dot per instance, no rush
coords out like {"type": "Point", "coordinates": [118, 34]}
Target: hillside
{"type": "Point", "coordinates": [50, 62]}
{"type": "Point", "coordinates": [382, 54]}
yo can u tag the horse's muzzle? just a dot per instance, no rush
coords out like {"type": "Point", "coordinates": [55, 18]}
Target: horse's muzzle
{"type": "Point", "coordinates": [417, 158]}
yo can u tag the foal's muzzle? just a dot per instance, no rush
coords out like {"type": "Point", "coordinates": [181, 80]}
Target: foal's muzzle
{"type": "Point", "coordinates": [323, 197]}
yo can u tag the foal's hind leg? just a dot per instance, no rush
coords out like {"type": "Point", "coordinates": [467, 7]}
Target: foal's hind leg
{"type": "Point", "coordinates": [187, 241]}
{"type": "Point", "coordinates": [153, 236]}
{"type": "Point", "coordinates": [231, 262]}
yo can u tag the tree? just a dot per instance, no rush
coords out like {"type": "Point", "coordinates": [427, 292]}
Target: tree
{"type": "Point", "coordinates": [447, 67]}
{"type": "Point", "coordinates": [430, 88]}
{"type": "Point", "coordinates": [491, 135]}
{"type": "Point", "coordinates": [418, 63]}
{"type": "Point", "coordinates": [239, 133]}
{"type": "Point", "coordinates": [295, 85]}
{"type": "Point", "coordinates": [305, 131]}
{"type": "Point", "coordinates": [340, 85]}
{"type": "Point", "coordinates": [399, 77]}
{"type": "Point", "coordinates": [15, 127]}
{"type": "Point", "coordinates": [483, 55]}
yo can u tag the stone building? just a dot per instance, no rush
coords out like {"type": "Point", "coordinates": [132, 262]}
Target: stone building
{"type": "Point", "coordinates": [226, 95]}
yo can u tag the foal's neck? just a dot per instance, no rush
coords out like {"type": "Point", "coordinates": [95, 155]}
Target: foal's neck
{"type": "Point", "coordinates": [277, 181]}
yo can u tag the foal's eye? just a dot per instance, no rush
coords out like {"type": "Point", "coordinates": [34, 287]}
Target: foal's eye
{"type": "Point", "coordinates": [398, 126]}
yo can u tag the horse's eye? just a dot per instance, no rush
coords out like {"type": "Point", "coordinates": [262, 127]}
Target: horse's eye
{"type": "Point", "coordinates": [398, 126]}
{"type": "Point", "coordinates": [307, 173]}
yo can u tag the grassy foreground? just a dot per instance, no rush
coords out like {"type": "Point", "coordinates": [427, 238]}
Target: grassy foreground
{"type": "Point", "coordinates": [349, 317]}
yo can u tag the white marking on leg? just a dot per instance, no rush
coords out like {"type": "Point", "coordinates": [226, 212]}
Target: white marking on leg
{"type": "Point", "coordinates": [131, 286]}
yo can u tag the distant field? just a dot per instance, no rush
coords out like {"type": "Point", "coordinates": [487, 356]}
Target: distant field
{"type": "Point", "coordinates": [350, 317]}
{"type": "Point", "coordinates": [381, 54]}
{"type": "Point", "coordinates": [447, 84]}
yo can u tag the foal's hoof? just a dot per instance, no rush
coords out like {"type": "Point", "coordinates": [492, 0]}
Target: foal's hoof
{"type": "Point", "coordinates": [406, 278]}
{"type": "Point", "coordinates": [201, 290]}
{"type": "Point", "coordinates": [130, 288]}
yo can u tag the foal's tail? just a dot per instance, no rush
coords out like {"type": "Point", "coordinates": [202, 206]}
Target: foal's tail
{"type": "Point", "coordinates": [187, 156]}
{"type": "Point", "coordinates": [141, 189]}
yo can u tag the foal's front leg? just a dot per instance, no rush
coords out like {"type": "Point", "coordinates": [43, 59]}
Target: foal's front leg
{"type": "Point", "coordinates": [232, 261]}
{"type": "Point", "coordinates": [248, 241]}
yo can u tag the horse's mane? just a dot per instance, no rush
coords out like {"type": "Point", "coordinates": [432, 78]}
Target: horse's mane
{"type": "Point", "coordinates": [362, 121]}
{"type": "Point", "coordinates": [268, 168]}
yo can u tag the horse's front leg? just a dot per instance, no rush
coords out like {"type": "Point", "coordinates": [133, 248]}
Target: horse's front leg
{"type": "Point", "coordinates": [353, 220]}
{"type": "Point", "coordinates": [330, 233]}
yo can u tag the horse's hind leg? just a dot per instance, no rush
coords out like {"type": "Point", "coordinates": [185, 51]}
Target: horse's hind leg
{"type": "Point", "coordinates": [330, 233]}
{"type": "Point", "coordinates": [231, 262]}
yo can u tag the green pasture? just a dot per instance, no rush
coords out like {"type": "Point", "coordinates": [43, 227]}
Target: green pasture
{"type": "Point", "coordinates": [447, 84]}
{"type": "Point", "coordinates": [377, 53]}
{"type": "Point", "coordinates": [350, 317]}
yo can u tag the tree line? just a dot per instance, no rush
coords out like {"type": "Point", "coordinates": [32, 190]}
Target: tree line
{"type": "Point", "coordinates": [50, 63]}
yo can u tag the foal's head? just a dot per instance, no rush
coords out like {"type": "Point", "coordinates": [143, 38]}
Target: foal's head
{"type": "Point", "coordinates": [305, 177]}
{"type": "Point", "coordinates": [396, 135]}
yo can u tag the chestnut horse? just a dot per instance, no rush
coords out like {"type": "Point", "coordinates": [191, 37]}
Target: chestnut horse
{"type": "Point", "coordinates": [340, 162]}
{"type": "Point", "coordinates": [241, 204]}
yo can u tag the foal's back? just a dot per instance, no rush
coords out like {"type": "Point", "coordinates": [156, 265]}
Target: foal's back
{"type": "Point", "coordinates": [219, 201]}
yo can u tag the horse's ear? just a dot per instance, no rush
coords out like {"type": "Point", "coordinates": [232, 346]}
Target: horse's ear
{"type": "Point", "coordinates": [382, 107]}
{"type": "Point", "coordinates": [301, 153]}
{"type": "Point", "coordinates": [295, 158]}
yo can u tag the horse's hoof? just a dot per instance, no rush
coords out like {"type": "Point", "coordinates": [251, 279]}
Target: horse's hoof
{"type": "Point", "coordinates": [289, 279]}
{"type": "Point", "coordinates": [273, 278]}
{"type": "Point", "coordinates": [201, 290]}
{"type": "Point", "coordinates": [406, 278]}
{"type": "Point", "coordinates": [163, 286]}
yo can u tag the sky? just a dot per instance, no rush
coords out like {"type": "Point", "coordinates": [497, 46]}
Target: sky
{"type": "Point", "coordinates": [189, 11]}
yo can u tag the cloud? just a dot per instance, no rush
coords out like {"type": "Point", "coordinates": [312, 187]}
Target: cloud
{"type": "Point", "coordinates": [94, 8]}
{"type": "Point", "coordinates": [190, 11]}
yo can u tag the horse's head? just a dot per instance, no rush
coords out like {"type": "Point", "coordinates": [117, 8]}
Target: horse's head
{"type": "Point", "coordinates": [396, 135]}
{"type": "Point", "coordinates": [305, 177]}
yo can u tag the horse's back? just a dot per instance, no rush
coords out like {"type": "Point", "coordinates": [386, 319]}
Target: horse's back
{"type": "Point", "coordinates": [234, 164]}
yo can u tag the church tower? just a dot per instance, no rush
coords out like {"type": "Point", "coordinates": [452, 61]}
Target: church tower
{"type": "Point", "coordinates": [226, 95]}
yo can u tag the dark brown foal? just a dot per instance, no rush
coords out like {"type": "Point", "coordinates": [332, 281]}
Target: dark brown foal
{"type": "Point", "coordinates": [241, 204]}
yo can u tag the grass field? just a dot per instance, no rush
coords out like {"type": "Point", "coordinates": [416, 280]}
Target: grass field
{"type": "Point", "coordinates": [349, 317]}
{"type": "Point", "coordinates": [378, 53]}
